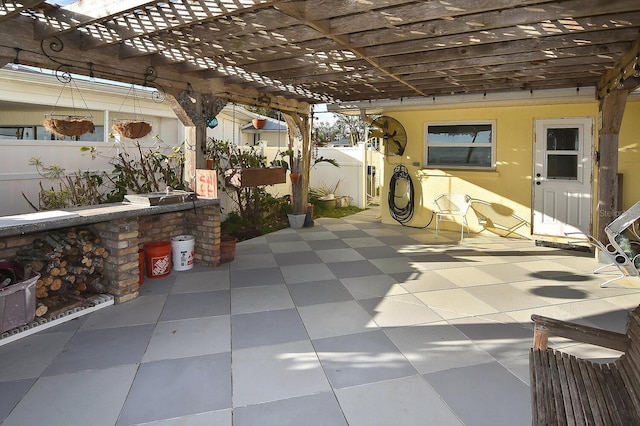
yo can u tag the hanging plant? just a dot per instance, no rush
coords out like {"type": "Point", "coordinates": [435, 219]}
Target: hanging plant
{"type": "Point", "coordinates": [259, 123]}
{"type": "Point", "coordinates": [132, 129]}
{"type": "Point", "coordinates": [69, 126]}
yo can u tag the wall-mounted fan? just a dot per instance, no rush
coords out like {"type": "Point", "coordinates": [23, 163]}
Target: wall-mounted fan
{"type": "Point", "coordinates": [392, 134]}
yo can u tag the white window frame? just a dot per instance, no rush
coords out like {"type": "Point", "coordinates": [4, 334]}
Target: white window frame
{"type": "Point", "coordinates": [427, 144]}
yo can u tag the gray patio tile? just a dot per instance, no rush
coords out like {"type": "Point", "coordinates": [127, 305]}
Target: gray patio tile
{"type": "Point", "coordinates": [306, 273]}
{"type": "Point", "coordinates": [253, 247]}
{"type": "Point", "coordinates": [373, 286]}
{"type": "Point", "coordinates": [297, 258]}
{"type": "Point", "coordinates": [217, 418]}
{"type": "Point", "coordinates": [437, 347]}
{"type": "Point", "coordinates": [253, 277]}
{"type": "Point", "coordinates": [502, 340]}
{"type": "Point", "coordinates": [11, 393]}
{"type": "Point", "coordinates": [397, 240]}
{"type": "Point", "coordinates": [178, 387]}
{"type": "Point", "coordinates": [363, 242]}
{"type": "Point", "coordinates": [266, 328]}
{"type": "Point", "coordinates": [196, 305]}
{"type": "Point", "coordinates": [380, 231]}
{"type": "Point", "coordinates": [336, 319]}
{"type": "Point", "coordinates": [102, 348]}
{"type": "Point", "coordinates": [406, 401]}
{"type": "Point", "coordinates": [98, 396]}
{"type": "Point", "coordinates": [290, 247]}
{"type": "Point", "coordinates": [30, 356]}
{"type": "Point", "coordinates": [211, 280]}
{"type": "Point", "coordinates": [394, 265]}
{"type": "Point", "coordinates": [314, 293]}
{"type": "Point", "coordinates": [399, 310]}
{"type": "Point", "coordinates": [419, 281]}
{"type": "Point", "coordinates": [310, 410]}
{"type": "Point", "coordinates": [319, 234]}
{"type": "Point", "coordinates": [157, 286]}
{"type": "Point", "coordinates": [379, 252]}
{"type": "Point", "coordinates": [506, 297]}
{"type": "Point", "coordinates": [252, 261]}
{"type": "Point", "coordinates": [142, 310]}
{"type": "Point", "coordinates": [190, 337]}
{"type": "Point", "coordinates": [350, 233]}
{"type": "Point", "coordinates": [284, 236]}
{"type": "Point", "coordinates": [475, 403]}
{"type": "Point", "coordinates": [327, 244]}
{"type": "Point", "coordinates": [261, 298]}
{"type": "Point", "coordinates": [336, 225]}
{"type": "Point", "coordinates": [357, 359]}
{"type": "Point", "coordinates": [352, 269]}
{"type": "Point", "coordinates": [454, 303]}
{"type": "Point", "coordinates": [506, 272]}
{"type": "Point", "coordinates": [339, 255]}
{"type": "Point", "coordinates": [276, 372]}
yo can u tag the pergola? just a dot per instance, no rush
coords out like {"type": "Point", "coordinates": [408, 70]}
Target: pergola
{"type": "Point", "coordinates": [291, 54]}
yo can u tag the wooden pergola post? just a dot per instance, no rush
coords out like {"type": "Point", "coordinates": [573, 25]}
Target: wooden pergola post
{"type": "Point", "coordinates": [300, 190]}
{"type": "Point", "coordinates": [193, 109]}
{"type": "Point", "coordinates": [611, 112]}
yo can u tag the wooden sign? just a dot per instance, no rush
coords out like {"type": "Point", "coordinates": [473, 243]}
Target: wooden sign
{"type": "Point", "coordinates": [206, 183]}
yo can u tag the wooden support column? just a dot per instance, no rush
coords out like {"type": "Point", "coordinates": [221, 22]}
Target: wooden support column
{"type": "Point", "coordinates": [301, 125]}
{"type": "Point", "coordinates": [194, 110]}
{"type": "Point", "coordinates": [611, 112]}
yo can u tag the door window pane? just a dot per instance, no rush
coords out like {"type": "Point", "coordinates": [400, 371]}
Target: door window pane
{"type": "Point", "coordinates": [563, 139]}
{"type": "Point", "coordinates": [562, 167]}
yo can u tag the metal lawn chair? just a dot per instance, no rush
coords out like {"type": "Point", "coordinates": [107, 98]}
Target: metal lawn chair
{"type": "Point", "coordinates": [452, 207]}
{"type": "Point", "coordinates": [623, 249]}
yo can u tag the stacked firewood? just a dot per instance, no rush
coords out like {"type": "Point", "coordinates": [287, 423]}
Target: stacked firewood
{"type": "Point", "coordinates": [69, 263]}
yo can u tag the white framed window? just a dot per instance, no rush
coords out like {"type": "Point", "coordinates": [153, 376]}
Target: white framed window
{"type": "Point", "coordinates": [467, 145]}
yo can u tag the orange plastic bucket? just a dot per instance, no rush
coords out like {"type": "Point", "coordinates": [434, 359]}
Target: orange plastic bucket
{"type": "Point", "coordinates": [158, 258]}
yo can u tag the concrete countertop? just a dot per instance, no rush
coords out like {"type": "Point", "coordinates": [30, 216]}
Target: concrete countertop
{"type": "Point", "coordinates": [64, 218]}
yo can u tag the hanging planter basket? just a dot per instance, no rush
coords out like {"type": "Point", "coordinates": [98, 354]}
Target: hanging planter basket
{"type": "Point", "coordinates": [250, 177]}
{"type": "Point", "coordinates": [259, 123]}
{"type": "Point", "coordinates": [69, 125]}
{"type": "Point", "coordinates": [132, 129]}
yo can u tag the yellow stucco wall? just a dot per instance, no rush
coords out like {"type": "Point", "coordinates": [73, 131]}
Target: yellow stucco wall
{"type": "Point", "coordinates": [509, 186]}
{"type": "Point", "coordinates": [629, 152]}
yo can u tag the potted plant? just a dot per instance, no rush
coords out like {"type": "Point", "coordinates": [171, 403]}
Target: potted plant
{"type": "Point", "coordinates": [259, 123]}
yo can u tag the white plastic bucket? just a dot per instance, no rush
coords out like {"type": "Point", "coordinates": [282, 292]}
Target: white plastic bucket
{"type": "Point", "coordinates": [182, 251]}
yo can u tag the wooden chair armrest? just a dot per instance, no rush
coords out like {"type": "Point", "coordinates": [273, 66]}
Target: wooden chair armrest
{"type": "Point", "coordinates": [545, 327]}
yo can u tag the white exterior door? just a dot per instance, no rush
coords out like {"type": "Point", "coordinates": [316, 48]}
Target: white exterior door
{"type": "Point", "coordinates": [562, 193]}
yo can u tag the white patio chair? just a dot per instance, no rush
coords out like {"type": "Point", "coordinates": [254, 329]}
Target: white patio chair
{"type": "Point", "coordinates": [452, 207]}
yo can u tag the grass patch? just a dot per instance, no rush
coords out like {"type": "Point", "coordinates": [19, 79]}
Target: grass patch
{"type": "Point", "coordinates": [336, 212]}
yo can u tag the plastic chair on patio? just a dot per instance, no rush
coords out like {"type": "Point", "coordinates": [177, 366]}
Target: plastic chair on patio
{"type": "Point", "coordinates": [452, 207]}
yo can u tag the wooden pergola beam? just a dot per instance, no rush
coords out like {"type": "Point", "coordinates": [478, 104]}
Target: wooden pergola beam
{"type": "Point", "coordinates": [627, 69]}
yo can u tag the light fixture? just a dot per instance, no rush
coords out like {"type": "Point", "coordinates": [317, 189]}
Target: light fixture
{"type": "Point", "coordinates": [16, 61]}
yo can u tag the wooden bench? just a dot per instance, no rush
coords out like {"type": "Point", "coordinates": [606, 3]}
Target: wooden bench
{"type": "Point", "coordinates": [566, 390]}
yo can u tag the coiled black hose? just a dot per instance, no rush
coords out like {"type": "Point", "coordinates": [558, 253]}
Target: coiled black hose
{"type": "Point", "coordinates": [404, 212]}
